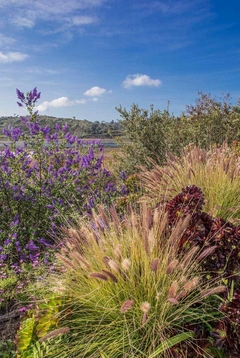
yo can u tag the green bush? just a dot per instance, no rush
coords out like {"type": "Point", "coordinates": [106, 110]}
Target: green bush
{"type": "Point", "coordinates": [153, 134]}
{"type": "Point", "coordinates": [212, 121]}
{"type": "Point", "coordinates": [146, 135]}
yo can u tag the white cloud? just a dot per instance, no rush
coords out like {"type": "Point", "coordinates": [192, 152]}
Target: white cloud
{"type": "Point", "coordinates": [62, 16]}
{"type": "Point", "coordinates": [63, 102]}
{"type": "Point", "coordinates": [80, 101]}
{"type": "Point", "coordinates": [63, 6]}
{"type": "Point", "coordinates": [22, 22]}
{"type": "Point", "coordinates": [4, 40]}
{"type": "Point", "coordinates": [53, 5]}
{"type": "Point", "coordinates": [12, 57]}
{"type": "Point", "coordinates": [59, 102]}
{"type": "Point", "coordinates": [95, 91]}
{"type": "Point", "coordinates": [83, 20]}
{"type": "Point", "coordinates": [140, 80]}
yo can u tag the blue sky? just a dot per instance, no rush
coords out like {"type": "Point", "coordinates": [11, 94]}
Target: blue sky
{"type": "Point", "coordinates": [89, 56]}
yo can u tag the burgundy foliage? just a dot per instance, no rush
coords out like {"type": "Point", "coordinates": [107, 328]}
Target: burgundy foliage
{"type": "Point", "coordinates": [206, 231]}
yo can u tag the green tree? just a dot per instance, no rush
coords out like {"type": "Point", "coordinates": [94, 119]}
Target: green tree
{"type": "Point", "coordinates": [212, 121]}
{"type": "Point", "coordinates": [154, 133]}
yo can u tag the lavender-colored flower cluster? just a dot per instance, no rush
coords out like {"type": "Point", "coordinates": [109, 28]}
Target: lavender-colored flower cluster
{"type": "Point", "coordinates": [46, 180]}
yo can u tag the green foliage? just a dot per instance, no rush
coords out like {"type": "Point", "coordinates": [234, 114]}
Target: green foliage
{"type": "Point", "coordinates": [146, 135]}
{"type": "Point", "coordinates": [36, 326]}
{"type": "Point", "coordinates": [7, 349]}
{"type": "Point", "coordinates": [25, 334]}
{"type": "Point", "coordinates": [216, 353]}
{"type": "Point", "coordinates": [134, 190]}
{"type": "Point", "coordinates": [40, 350]}
{"type": "Point", "coordinates": [8, 284]}
{"type": "Point", "coordinates": [212, 121]}
{"type": "Point", "coordinates": [152, 134]}
{"type": "Point", "coordinates": [171, 343]}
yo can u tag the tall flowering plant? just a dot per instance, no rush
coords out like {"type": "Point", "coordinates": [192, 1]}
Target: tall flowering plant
{"type": "Point", "coordinates": [48, 177]}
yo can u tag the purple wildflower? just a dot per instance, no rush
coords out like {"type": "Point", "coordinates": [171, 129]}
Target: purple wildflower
{"type": "Point", "coordinates": [31, 246]}
{"type": "Point", "coordinates": [123, 175]}
{"type": "Point", "coordinates": [20, 95]}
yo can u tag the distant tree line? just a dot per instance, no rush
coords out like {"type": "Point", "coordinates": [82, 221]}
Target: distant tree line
{"type": "Point", "coordinates": [81, 128]}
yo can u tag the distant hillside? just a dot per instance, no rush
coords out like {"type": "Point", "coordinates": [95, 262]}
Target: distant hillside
{"type": "Point", "coordinates": [81, 128]}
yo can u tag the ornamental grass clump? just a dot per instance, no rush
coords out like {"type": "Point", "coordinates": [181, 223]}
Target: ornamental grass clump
{"type": "Point", "coordinates": [126, 289]}
{"type": "Point", "coordinates": [215, 171]}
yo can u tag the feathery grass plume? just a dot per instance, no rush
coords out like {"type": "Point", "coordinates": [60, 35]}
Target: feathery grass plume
{"type": "Point", "coordinates": [216, 171]}
{"type": "Point", "coordinates": [154, 264]}
{"type": "Point", "coordinates": [213, 291]}
{"type": "Point", "coordinates": [172, 266]}
{"type": "Point", "coordinates": [55, 333]}
{"type": "Point", "coordinates": [118, 251]}
{"type": "Point", "coordinates": [113, 265]}
{"type": "Point", "coordinates": [127, 305]}
{"type": "Point", "coordinates": [190, 255]}
{"type": "Point", "coordinates": [98, 275]}
{"type": "Point", "coordinates": [173, 289]}
{"type": "Point", "coordinates": [111, 275]}
{"type": "Point", "coordinates": [65, 261]}
{"type": "Point", "coordinates": [79, 260]}
{"type": "Point", "coordinates": [126, 263]}
{"type": "Point", "coordinates": [145, 307]}
{"type": "Point", "coordinates": [144, 318]}
{"type": "Point", "coordinates": [145, 284]}
{"type": "Point", "coordinates": [206, 252]}
{"type": "Point", "coordinates": [173, 300]}
{"type": "Point", "coordinates": [191, 284]}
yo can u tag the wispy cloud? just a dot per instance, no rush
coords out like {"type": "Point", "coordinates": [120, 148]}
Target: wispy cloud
{"type": "Point", "coordinates": [5, 40]}
{"type": "Point", "coordinates": [22, 22]}
{"type": "Point", "coordinates": [9, 57]}
{"type": "Point", "coordinates": [171, 7]}
{"type": "Point", "coordinates": [53, 6]}
{"type": "Point", "coordinates": [83, 20]}
{"type": "Point", "coordinates": [41, 71]}
{"type": "Point", "coordinates": [6, 82]}
{"type": "Point", "coordinates": [176, 7]}
{"type": "Point", "coordinates": [139, 80]}
{"type": "Point", "coordinates": [63, 6]}
{"type": "Point", "coordinates": [96, 91]}
{"type": "Point", "coordinates": [54, 10]}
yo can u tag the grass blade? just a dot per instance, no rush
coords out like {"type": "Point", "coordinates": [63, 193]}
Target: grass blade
{"type": "Point", "coordinates": [171, 342]}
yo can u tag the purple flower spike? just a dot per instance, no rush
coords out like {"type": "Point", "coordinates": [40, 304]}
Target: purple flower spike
{"type": "Point", "coordinates": [34, 92]}
{"type": "Point", "coordinates": [30, 99]}
{"type": "Point", "coordinates": [20, 95]}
